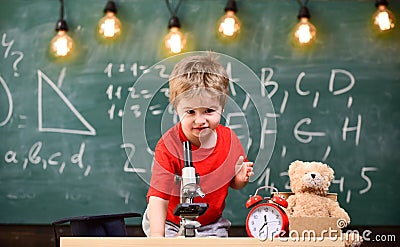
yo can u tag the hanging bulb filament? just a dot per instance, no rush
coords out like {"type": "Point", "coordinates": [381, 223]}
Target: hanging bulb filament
{"type": "Point", "coordinates": [174, 41]}
{"type": "Point", "coordinates": [383, 18]}
{"type": "Point", "coordinates": [62, 44]}
{"type": "Point", "coordinates": [109, 26]}
{"type": "Point", "coordinates": [229, 24]}
{"type": "Point", "coordinates": [304, 32]}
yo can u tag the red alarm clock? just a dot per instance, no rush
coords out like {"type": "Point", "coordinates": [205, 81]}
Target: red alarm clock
{"type": "Point", "coordinates": [267, 218]}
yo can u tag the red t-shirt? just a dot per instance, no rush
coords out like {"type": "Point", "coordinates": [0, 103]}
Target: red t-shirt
{"type": "Point", "coordinates": [216, 167]}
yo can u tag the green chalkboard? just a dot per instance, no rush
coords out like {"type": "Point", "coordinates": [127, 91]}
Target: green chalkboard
{"type": "Point", "coordinates": [77, 136]}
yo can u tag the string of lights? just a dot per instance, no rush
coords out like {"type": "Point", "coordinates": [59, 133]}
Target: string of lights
{"type": "Point", "coordinates": [228, 26]}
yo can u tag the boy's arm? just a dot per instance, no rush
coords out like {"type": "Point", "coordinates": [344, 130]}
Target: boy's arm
{"type": "Point", "coordinates": [243, 171]}
{"type": "Point", "coordinates": [157, 214]}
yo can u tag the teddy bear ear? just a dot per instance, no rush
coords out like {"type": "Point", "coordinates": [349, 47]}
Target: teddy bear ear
{"type": "Point", "coordinates": [293, 167]}
{"type": "Point", "coordinates": [329, 172]}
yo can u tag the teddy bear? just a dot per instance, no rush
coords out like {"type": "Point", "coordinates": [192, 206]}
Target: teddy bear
{"type": "Point", "coordinates": [310, 182]}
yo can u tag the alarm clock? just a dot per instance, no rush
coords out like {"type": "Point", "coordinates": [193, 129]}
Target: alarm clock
{"type": "Point", "coordinates": [267, 218]}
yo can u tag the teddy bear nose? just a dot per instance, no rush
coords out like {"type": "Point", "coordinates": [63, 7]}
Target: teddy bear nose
{"type": "Point", "coordinates": [312, 175]}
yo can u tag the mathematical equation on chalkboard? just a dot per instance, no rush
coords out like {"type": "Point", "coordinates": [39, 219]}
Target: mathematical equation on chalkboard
{"type": "Point", "coordinates": [116, 94]}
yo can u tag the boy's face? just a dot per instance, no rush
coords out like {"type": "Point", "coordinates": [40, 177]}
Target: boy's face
{"type": "Point", "coordinates": [199, 114]}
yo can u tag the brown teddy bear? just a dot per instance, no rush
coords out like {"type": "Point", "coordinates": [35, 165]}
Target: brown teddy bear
{"type": "Point", "coordinates": [310, 183]}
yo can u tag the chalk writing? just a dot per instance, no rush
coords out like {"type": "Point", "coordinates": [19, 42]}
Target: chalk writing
{"type": "Point", "coordinates": [231, 78]}
{"type": "Point", "coordinates": [136, 69]}
{"type": "Point", "coordinates": [264, 129]}
{"type": "Point", "coordinates": [356, 128]}
{"type": "Point", "coordinates": [305, 136]}
{"type": "Point", "coordinates": [366, 178]}
{"type": "Point", "coordinates": [9, 100]}
{"type": "Point", "coordinates": [18, 54]}
{"type": "Point", "coordinates": [117, 93]}
{"type": "Point", "coordinates": [266, 76]}
{"type": "Point", "coordinates": [8, 44]}
{"type": "Point", "coordinates": [43, 78]}
{"type": "Point", "coordinates": [334, 73]}
{"type": "Point", "coordinates": [128, 166]}
{"type": "Point", "coordinates": [56, 160]}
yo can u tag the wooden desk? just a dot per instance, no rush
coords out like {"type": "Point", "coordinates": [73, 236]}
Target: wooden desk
{"type": "Point", "coordinates": [192, 242]}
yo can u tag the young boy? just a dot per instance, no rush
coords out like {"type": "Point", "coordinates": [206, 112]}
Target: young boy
{"type": "Point", "coordinates": [198, 91]}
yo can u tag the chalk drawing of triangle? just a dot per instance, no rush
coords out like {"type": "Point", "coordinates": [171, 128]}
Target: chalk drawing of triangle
{"type": "Point", "coordinates": [84, 129]}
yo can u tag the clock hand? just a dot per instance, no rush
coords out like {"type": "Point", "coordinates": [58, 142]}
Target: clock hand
{"type": "Point", "coordinates": [266, 230]}
{"type": "Point", "coordinates": [265, 223]}
{"type": "Point", "coordinates": [262, 226]}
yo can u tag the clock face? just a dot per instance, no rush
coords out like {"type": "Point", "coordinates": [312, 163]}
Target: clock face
{"type": "Point", "coordinates": [264, 221]}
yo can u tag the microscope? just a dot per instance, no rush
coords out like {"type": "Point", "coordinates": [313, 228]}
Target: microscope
{"type": "Point", "coordinates": [187, 210]}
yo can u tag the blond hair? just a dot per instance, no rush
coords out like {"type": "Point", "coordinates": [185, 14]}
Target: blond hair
{"type": "Point", "coordinates": [199, 72]}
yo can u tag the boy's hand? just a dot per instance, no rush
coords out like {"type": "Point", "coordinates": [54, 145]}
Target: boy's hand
{"type": "Point", "coordinates": [243, 171]}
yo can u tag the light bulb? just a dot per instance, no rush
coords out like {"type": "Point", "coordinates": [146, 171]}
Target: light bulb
{"type": "Point", "coordinates": [383, 18]}
{"type": "Point", "coordinates": [109, 26]}
{"type": "Point", "coordinates": [304, 31]}
{"type": "Point", "coordinates": [174, 41]}
{"type": "Point", "coordinates": [229, 24]}
{"type": "Point", "coordinates": [62, 44]}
